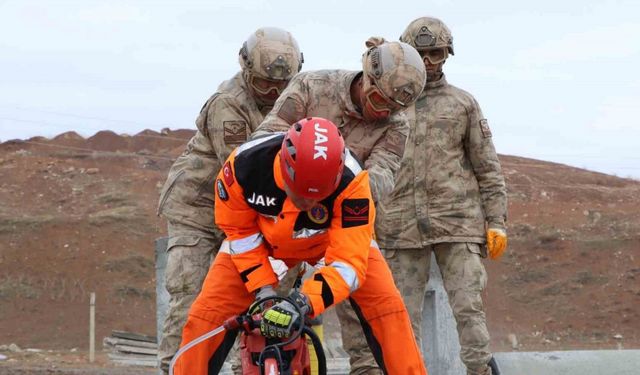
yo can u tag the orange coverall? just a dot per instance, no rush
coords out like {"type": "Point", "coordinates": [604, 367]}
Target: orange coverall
{"type": "Point", "coordinates": [260, 221]}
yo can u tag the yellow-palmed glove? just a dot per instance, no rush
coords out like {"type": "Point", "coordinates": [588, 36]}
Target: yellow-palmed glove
{"type": "Point", "coordinates": [281, 320]}
{"type": "Point", "coordinates": [278, 321]}
{"type": "Point", "coordinates": [496, 242]}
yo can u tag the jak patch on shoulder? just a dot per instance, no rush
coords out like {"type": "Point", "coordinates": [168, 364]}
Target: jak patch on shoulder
{"type": "Point", "coordinates": [222, 191]}
{"type": "Point", "coordinates": [484, 128]}
{"type": "Point", "coordinates": [355, 212]}
{"type": "Point", "coordinates": [235, 132]}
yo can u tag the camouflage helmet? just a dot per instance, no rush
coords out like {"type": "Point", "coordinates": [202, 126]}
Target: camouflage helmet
{"type": "Point", "coordinates": [427, 33]}
{"type": "Point", "coordinates": [396, 69]}
{"type": "Point", "coordinates": [271, 53]}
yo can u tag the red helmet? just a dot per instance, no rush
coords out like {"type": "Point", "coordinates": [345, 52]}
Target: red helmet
{"type": "Point", "coordinates": [312, 158]}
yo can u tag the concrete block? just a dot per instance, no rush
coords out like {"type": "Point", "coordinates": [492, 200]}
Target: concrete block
{"type": "Point", "coordinates": [580, 362]}
{"type": "Point", "coordinates": [162, 296]}
{"type": "Point", "coordinates": [441, 348]}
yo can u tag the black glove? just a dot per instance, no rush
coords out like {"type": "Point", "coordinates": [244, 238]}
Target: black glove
{"type": "Point", "coordinates": [302, 301]}
{"type": "Point", "coordinates": [280, 320]}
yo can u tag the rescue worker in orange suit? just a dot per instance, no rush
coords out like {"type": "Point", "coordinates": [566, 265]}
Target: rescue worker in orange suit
{"type": "Point", "coordinates": [298, 196]}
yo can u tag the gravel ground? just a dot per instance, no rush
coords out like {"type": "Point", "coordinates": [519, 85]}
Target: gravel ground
{"type": "Point", "coordinates": [64, 363]}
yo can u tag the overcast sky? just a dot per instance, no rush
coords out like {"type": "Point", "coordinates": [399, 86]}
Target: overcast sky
{"type": "Point", "coordinates": [558, 80]}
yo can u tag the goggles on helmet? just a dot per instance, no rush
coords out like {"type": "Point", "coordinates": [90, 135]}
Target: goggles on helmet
{"type": "Point", "coordinates": [435, 56]}
{"type": "Point", "coordinates": [378, 100]}
{"type": "Point", "coordinates": [265, 86]}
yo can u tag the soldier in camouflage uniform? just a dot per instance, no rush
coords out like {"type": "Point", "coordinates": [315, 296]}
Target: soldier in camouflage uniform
{"type": "Point", "coordinates": [367, 108]}
{"type": "Point", "coordinates": [269, 59]}
{"type": "Point", "coordinates": [449, 199]}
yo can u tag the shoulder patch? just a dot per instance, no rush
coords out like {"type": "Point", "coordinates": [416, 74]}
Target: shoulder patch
{"type": "Point", "coordinates": [289, 111]}
{"type": "Point", "coordinates": [484, 128]}
{"type": "Point", "coordinates": [227, 173]}
{"type": "Point", "coordinates": [395, 142]}
{"type": "Point", "coordinates": [222, 192]}
{"type": "Point", "coordinates": [235, 132]}
{"type": "Point", "coordinates": [355, 212]}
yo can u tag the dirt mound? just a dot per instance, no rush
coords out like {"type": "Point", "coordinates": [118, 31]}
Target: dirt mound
{"type": "Point", "coordinates": [185, 134]}
{"type": "Point", "coordinates": [151, 142]}
{"type": "Point", "coordinates": [71, 135]}
{"type": "Point", "coordinates": [108, 141]}
{"type": "Point", "coordinates": [68, 139]}
{"type": "Point", "coordinates": [78, 216]}
{"type": "Point", "coordinates": [38, 139]}
{"type": "Point", "coordinates": [158, 148]}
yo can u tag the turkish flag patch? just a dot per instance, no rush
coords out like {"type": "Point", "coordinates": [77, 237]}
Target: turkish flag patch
{"type": "Point", "coordinates": [227, 173]}
{"type": "Point", "coordinates": [355, 212]}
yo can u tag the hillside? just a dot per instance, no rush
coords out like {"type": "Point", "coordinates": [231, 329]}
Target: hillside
{"type": "Point", "coordinates": [78, 216]}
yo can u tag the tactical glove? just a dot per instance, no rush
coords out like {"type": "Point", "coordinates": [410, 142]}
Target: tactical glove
{"type": "Point", "coordinates": [496, 242]}
{"type": "Point", "coordinates": [264, 292]}
{"type": "Point", "coordinates": [280, 320]}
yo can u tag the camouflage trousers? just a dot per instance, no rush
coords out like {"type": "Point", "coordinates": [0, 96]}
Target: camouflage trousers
{"type": "Point", "coordinates": [464, 280]}
{"type": "Point", "coordinates": [190, 252]}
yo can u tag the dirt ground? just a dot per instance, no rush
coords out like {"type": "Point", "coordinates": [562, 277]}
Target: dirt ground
{"type": "Point", "coordinates": [78, 216]}
{"type": "Point", "coordinates": [51, 362]}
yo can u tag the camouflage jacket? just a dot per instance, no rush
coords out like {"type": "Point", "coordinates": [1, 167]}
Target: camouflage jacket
{"type": "Point", "coordinates": [450, 182]}
{"type": "Point", "coordinates": [225, 121]}
{"type": "Point", "coordinates": [326, 93]}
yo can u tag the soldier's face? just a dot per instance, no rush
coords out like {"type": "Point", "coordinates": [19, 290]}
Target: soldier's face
{"type": "Point", "coordinates": [376, 106]}
{"type": "Point", "coordinates": [301, 203]}
{"type": "Point", "coordinates": [372, 115]}
{"type": "Point", "coordinates": [433, 61]}
{"type": "Point", "coordinates": [267, 90]}
{"type": "Point", "coordinates": [269, 98]}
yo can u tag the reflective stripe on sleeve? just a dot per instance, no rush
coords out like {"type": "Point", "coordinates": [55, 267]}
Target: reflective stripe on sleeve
{"type": "Point", "coordinates": [347, 273]}
{"type": "Point", "coordinates": [351, 163]}
{"type": "Point", "coordinates": [245, 244]}
{"type": "Point", "coordinates": [374, 244]}
{"type": "Point", "coordinates": [247, 145]}
{"type": "Point", "coordinates": [224, 247]}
